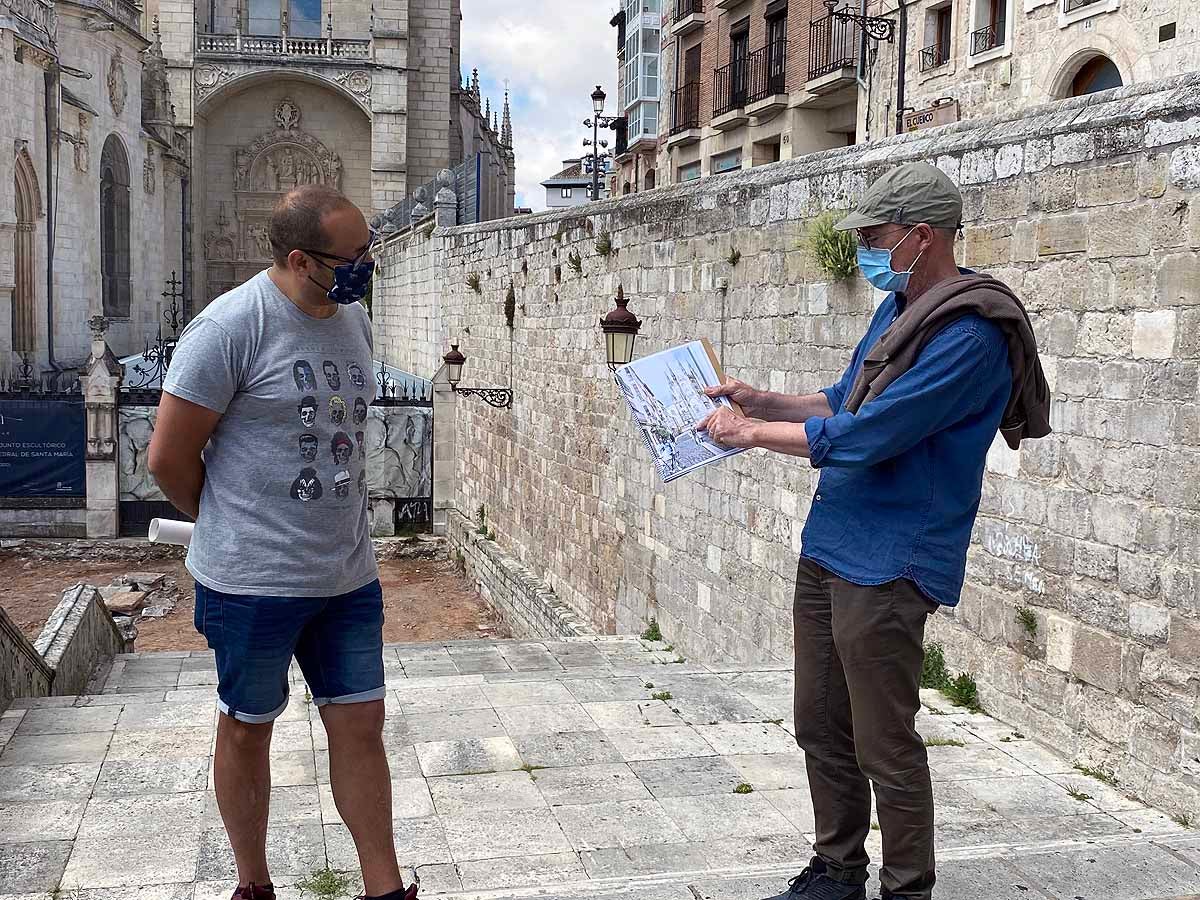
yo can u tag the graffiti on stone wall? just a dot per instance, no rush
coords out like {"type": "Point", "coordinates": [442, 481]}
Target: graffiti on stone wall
{"type": "Point", "coordinates": [133, 448]}
{"type": "Point", "coordinates": [399, 450]}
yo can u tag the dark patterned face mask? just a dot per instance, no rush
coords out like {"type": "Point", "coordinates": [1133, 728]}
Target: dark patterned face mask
{"type": "Point", "coordinates": [351, 279]}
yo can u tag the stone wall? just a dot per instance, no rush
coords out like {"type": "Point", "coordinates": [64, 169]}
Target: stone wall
{"type": "Point", "coordinates": [22, 671]}
{"type": "Point", "coordinates": [523, 601]}
{"type": "Point", "coordinates": [1089, 208]}
{"type": "Point", "coordinates": [79, 637]}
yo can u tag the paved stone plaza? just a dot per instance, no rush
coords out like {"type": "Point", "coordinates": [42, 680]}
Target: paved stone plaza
{"type": "Point", "coordinates": [541, 769]}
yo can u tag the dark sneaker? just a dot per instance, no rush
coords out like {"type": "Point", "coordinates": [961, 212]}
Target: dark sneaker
{"type": "Point", "coordinates": [255, 892]}
{"type": "Point", "coordinates": [410, 892]}
{"type": "Point", "coordinates": [814, 884]}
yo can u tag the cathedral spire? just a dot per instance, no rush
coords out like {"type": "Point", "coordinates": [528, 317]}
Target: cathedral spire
{"type": "Point", "coordinates": [475, 82]}
{"type": "Point", "coordinates": [506, 135]}
{"type": "Point", "coordinates": [487, 111]}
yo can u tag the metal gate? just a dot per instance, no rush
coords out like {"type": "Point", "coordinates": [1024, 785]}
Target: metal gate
{"type": "Point", "coordinates": [400, 452]}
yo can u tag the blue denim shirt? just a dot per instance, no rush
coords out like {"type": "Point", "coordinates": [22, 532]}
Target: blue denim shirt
{"type": "Point", "coordinates": [901, 478]}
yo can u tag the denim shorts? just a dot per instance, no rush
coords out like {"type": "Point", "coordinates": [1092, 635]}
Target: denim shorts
{"type": "Point", "coordinates": [337, 641]}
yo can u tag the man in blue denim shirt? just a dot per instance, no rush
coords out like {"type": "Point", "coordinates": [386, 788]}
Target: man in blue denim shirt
{"type": "Point", "coordinates": [901, 441]}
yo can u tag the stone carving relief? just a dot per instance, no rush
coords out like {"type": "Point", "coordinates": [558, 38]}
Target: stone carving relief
{"type": "Point", "coordinates": [260, 237]}
{"type": "Point", "coordinates": [287, 114]}
{"type": "Point", "coordinates": [357, 82]}
{"type": "Point", "coordinates": [118, 87]}
{"type": "Point", "coordinates": [148, 172]}
{"type": "Point", "coordinates": [136, 427]}
{"type": "Point", "coordinates": [220, 243]}
{"type": "Point", "coordinates": [209, 78]}
{"type": "Point", "coordinates": [83, 151]}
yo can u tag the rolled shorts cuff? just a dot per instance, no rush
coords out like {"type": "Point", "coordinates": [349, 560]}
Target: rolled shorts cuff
{"type": "Point", "coordinates": [361, 697]}
{"type": "Point", "coordinates": [252, 718]}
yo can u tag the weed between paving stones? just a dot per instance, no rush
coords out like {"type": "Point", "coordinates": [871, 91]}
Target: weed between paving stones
{"type": "Point", "coordinates": [325, 884]}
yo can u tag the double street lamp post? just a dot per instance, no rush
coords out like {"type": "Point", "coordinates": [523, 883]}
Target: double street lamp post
{"type": "Point", "coordinates": [598, 121]}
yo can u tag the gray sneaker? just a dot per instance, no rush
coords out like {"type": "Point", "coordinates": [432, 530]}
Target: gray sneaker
{"type": "Point", "coordinates": [814, 884]}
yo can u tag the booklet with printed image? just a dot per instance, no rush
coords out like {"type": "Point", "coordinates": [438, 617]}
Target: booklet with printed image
{"type": "Point", "coordinates": [665, 393]}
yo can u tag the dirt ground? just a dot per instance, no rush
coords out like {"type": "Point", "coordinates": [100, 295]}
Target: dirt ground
{"type": "Point", "coordinates": [425, 599]}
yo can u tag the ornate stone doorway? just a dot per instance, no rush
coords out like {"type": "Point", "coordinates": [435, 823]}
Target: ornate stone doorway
{"type": "Point", "coordinates": [237, 246]}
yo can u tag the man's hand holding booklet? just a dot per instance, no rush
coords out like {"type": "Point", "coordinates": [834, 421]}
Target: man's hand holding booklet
{"type": "Point", "coordinates": [687, 415]}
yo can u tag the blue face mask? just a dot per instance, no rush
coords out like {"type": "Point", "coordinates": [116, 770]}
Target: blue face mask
{"type": "Point", "coordinates": [351, 279]}
{"type": "Point", "coordinates": [876, 266]}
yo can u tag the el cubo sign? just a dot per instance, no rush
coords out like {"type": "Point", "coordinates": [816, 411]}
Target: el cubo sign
{"type": "Point", "coordinates": [931, 116]}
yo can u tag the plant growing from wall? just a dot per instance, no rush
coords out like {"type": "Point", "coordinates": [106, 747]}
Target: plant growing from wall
{"type": "Point", "coordinates": [481, 515]}
{"type": "Point", "coordinates": [652, 632]}
{"type": "Point", "coordinates": [524, 267]}
{"type": "Point", "coordinates": [735, 257]}
{"type": "Point", "coordinates": [575, 261]}
{"type": "Point", "coordinates": [558, 274]}
{"type": "Point", "coordinates": [1027, 619]}
{"type": "Point", "coordinates": [510, 305]}
{"type": "Point", "coordinates": [964, 692]}
{"type": "Point", "coordinates": [834, 252]}
{"type": "Point", "coordinates": [933, 669]}
{"type": "Point", "coordinates": [604, 244]}
{"type": "Point", "coordinates": [473, 282]}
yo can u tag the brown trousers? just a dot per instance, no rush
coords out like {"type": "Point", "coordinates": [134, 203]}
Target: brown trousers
{"type": "Point", "coordinates": [858, 669]}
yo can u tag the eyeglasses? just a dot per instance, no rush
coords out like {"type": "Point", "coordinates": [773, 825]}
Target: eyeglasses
{"type": "Point", "coordinates": [865, 242]}
{"type": "Point", "coordinates": [372, 242]}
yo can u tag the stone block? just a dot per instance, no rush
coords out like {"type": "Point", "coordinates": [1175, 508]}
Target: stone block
{"type": "Point", "coordinates": [1062, 234]}
{"type": "Point", "coordinates": [989, 245]}
{"type": "Point", "coordinates": [1105, 185]}
{"type": "Point", "coordinates": [1152, 175]}
{"type": "Point", "coordinates": [1009, 161]}
{"type": "Point", "coordinates": [1154, 334]}
{"type": "Point", "coordinates": [1184, 171]}
{"type": "Point", "coordinates": [126, 603]}
{"type": "Point", "coordinates": [1096, 658]}
{"type": "Point", "coordinates": [1120, 232]}
{"type": "Point", "coordinates": [1105, 334]}
{"type": "Point", "coordinates": [1148, 622]}
{"type": "Point", "coordinates": [1060, 641]}
{"type": "Point", "coordinates": [1179, 280]}
{"type": "Point", "coordinates": [1183, 642]}
{"type": "Point", "coordinates": [1053, 191]}
{"type": "Point", "coordinates": [1072, 148]}
{"type": "Point", "coordinates": [1160, 132]}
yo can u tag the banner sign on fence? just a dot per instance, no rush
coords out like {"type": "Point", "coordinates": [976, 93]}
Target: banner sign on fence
{"type": "Point", "coordinates": [42, 448]}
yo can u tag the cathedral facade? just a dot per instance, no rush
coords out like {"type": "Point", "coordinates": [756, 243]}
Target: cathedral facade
{"type": "Point", "coordinates": [151, 142]}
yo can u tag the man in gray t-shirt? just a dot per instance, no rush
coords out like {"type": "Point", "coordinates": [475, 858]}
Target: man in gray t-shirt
{"type": "Point", "coordinates": [254, 439]}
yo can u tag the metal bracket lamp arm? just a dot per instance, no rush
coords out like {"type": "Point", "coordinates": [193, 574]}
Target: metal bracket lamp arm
{"type": "Point", "coordinates": [501, 398]}
{"type": "Point", "coordinates": [876, 28]}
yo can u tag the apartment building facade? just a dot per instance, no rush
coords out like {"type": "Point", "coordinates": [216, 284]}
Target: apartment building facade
{"type": "Point", "coordinates": [750, 82]}
{"type": "Point", "coordinates": [639, 40]}
{"type": "Point", "coordinates": [972, 58]}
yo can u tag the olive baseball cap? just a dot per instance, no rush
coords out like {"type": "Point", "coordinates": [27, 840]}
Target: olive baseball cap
{"type": "Point", "coordinates": [911, 194]}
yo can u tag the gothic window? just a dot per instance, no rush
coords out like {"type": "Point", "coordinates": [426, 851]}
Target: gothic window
{"type": "Point", "coordinates": [304, 18]}
{"type": "Point", "coordinates": [114, 228]}
{"type": "Point", "coordinates": [23, 327]}
{"type": "Point", "coordinates": [263, 18]}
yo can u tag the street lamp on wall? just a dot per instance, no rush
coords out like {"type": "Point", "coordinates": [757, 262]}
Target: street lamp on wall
{"type": "Point", "coordinates": [598, 121]}
{"type": "Point", "coordinates": [620, 329]}
{"type": "Point", "coordinates": [501, 398]}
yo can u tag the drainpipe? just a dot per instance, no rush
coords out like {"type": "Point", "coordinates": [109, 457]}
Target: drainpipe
{"type": "Point", "coordinates": [185, 240]}
{"type": "Point", "coordinates": [51, 80]}
{"type": "Point", "coordinates": [903, 51]}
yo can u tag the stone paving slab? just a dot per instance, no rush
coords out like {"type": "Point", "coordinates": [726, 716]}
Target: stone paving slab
{"type": "Point", "coordinates": [548, 770]}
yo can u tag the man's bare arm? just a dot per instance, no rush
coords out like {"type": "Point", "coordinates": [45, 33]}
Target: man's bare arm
{"type": "Point", "coordinates": [180, 435]}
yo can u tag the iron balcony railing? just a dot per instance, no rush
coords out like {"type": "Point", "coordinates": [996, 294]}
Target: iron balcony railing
{"type": "Point", "coordinates": [685, 8]}
{"type": "Point", "coordinates": [1072, 5]}
{"type": "Point", "coordinates": [832, 45]}
{"type": "Point", "coordinates": [730, 87]}
{"type": "Point", "coordinates": [38, 15]}
{"type": "Point", "coordinates": [934, 57]}
{"type": "Point", "coordinates": [988, 38]}
{"type": "Point", "coordinates": [685, 108]}
{"type": "Point", "coordinates": [768, 71]}
{"type": "Point", "coordinates": [260, 46]}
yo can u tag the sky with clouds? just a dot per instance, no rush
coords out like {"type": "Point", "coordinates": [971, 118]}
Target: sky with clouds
{"type": "Point", "coordinates": [553, 53]}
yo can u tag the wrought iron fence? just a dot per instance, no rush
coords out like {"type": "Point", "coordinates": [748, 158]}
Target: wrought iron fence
{"type": "Point", "coordinates": [768, 71]}
{"type": "Point", "coordinates": [23, 382]}
{"type": "Point", "coordinates": [988, 38]}
{"type": "Point", "coordinates": [685, 8]}
{"type": "Point", "coordinates": [729, 87]}
{"type": "Point", "coordinates": [935, 56]}
{"type": "Point", "coordinates": [685, 108]}
{"type": "Point", "coordinates": [832, 45]}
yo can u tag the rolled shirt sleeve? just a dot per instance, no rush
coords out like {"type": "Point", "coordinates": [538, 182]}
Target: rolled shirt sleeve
{"type": "Point", "coordinates": [955, 372]}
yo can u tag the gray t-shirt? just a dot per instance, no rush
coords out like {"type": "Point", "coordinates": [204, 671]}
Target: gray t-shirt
{"type": "Point", "coordinates": [284, 508]}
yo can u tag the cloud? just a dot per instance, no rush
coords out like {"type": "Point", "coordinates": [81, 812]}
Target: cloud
{"type": "Point", "coordinates": [553, 55]}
